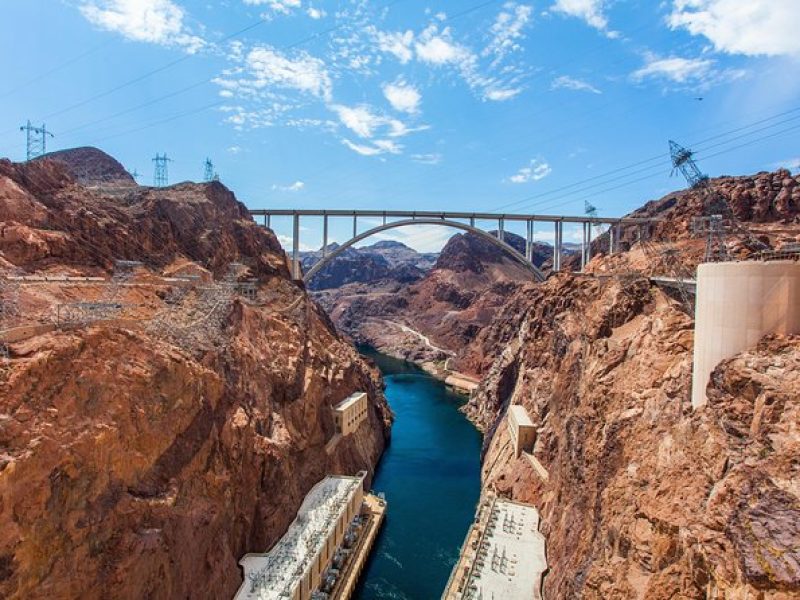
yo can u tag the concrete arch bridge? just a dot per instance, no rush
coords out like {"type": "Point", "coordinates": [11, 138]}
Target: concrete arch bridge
{"type": "Point", "coordinates": [464, 221]}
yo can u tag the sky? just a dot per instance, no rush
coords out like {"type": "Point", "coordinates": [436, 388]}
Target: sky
{"type": "Point", "coordinates": [474, 105]}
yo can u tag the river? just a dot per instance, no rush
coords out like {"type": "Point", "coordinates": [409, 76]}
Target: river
{"type": "Point", "coordinates": [430, 474]}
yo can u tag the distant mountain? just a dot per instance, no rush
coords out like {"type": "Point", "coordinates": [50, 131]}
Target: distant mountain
{"type": "Point", "coordinates": [383, 261]}
{"type": "Point", "coordinates": [434, 317]}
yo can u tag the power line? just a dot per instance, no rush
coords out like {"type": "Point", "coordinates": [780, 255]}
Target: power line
{"type": "Point", "coordinates": [55, 69]}
{"type": "Point", "coordinates": [660, 171]}
{"type": "Point", "coordinates": [657, 157]}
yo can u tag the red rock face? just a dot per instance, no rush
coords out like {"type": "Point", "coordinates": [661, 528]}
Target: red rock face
{"type": "Point", "coordinates": [645, 498]}
{"type": "Point", "coordinates": [50, 221]}
{"type": "Point", "coordinates": [434, 319]}
{"type": "Point", "coordinates": [135, 468]}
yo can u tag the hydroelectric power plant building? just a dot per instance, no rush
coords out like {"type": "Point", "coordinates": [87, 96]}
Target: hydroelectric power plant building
{"type": "Point", "coordinates": [521, 429]}
{"type": "Point", "coordinates": [350, 413]}
{"type": "Point", "coordinates": [503, 556]}
{"type": "Point", "coordinates": [324, 549]}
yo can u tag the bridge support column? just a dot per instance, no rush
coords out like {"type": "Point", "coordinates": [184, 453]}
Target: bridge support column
{"type": "Point", "coordinates": [384, 218]}
{"type": "Point", "coordinates": [559, 227]}
{"type": "Point", "coordinates": [472, 221]}
{"type": "Point", "coordinates": [611, 233]}
{"type": "Point", "coordinates": [324, 236]}
{"type": "Point", "coordinates": [529, 242]}
{"type": "Point", "coordinates": [583, 246]}
{"type": "Point", "coordinates": [355, 225]}
{"type": "Point", "coordinates": [500, 225]}
{"type": "Point", "coordinates": [296, 271]}
{"type": "Point", "coordinates": [588, 242]}
{"type": "Point", "coordinates": [268, 221]}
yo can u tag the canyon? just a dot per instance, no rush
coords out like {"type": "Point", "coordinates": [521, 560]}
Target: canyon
{"type": "Point", "coordinates": [139, 465]}
{"type": "Point", "coordinates": [640, 496]}
{"type": "Point", "coordinates": [144, 462]}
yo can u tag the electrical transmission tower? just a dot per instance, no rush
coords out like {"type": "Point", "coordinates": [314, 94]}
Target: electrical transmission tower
{"type": "Point", "coordinates": [682, 160]}
{"type": "Point", "coordinates": [160, 172]}
{"type": "Point", "coordinates": [714, 228]}
{"type": "Point", "coordinates": [209, 174]}
{"type": "Point", "coordinates": [718, 218]}
{"type": "Point", "coordinates": [36, 140]}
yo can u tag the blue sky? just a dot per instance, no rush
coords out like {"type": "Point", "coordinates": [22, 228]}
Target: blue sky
{"type": "Point", "coordinates": [468, 105]}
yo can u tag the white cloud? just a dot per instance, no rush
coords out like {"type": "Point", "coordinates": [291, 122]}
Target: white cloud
{"type": "Point", "coordinates": [793, 164]}
{"type": "Point", "coordinates": [396, 43]}
{"type": "Point", "coordinates": [154, 21]}
{"type": "Point", "coordinates": [367, 124]}
{"type": "Point", "coordinates": [591, 11]}
{"type": "Point", "coordinates": [507, 29]}
{"type": "Point", "coordinates": [570, 83]}
{"type": "Point", "coordinates": [235, 149]}
{"type": "Point", "coordinates": [304, 73]}
{"type": "Point", "coordinates": [427, 159]}
{"type": "Point", "coordinates": [267, 69]}
{"type": "Point", "coordinates": [359, 119]}
{"type": "Point", "coordinates": [284, 7]}
{"type": "Point", "coordinates": [438, 48]}
{"type": "Point", "coordinates": [423, 238]}
{"type": "Point", "coordinates": [402, 96]}
{"type": "Point", "coordinates": [677, 70]}
{"type": "Point", "coordinates": [499, 95]}
{"type": "Point", "coordinates": [292, 187]}
{"type": "Point", "coordinates": [536, 170]}
{"type": "Point", "coordinates": [315, 13]}
{"type": "Point", "coordinates": [376, 148]}
{"type": "Point", "coordinates": [751, 27]}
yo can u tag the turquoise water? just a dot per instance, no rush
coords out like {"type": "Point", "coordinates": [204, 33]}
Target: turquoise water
{"type": "Point", "coordinates": [430, 474]}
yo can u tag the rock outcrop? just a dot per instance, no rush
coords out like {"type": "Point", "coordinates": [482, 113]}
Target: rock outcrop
{"type": "Point", "coordinates": [132, 466]}
{"type": "Point", "coordinates": [640, 496]}
{"type": "Point", "coordinates": [382, 263]}
{"type": "Point", "coordinates": [434, 318]}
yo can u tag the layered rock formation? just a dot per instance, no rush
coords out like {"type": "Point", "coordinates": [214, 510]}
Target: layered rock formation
{"type": "Point", "coordinates": [384, 262]}
{"type": "Point", "coordinates": [767, 203]}
{"type": "Point", "coordinates": [132, 466]}
{"type": "Point", "coordinates": [433, 319]}
{"type": "Point", "coordinates": [640, 496]}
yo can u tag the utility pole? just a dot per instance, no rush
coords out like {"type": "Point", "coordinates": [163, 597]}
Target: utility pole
{"type": "Point", "coordinates": [36, 140]}
{"type": "Point", "coordinates": [160, 173]}
{"type": "Point", "coordinates": [209, 174]}
{"type": "Point", "coordinates": [135, 174]}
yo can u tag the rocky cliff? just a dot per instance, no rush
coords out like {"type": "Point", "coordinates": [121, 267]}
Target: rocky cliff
{"type": "Point", "coordinates": [640, 496]}
{"type": "Point", "coordinates": [141, 462]}
{"type": "Point", "coordinates": [434, 318]}
{"type": "Point", "coordinates": [767, 204]}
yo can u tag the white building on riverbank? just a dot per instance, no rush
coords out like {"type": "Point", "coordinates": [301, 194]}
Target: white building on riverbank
{"type": "Point", "coordinates": [503, 556]}
{"type": "Point", "coordinates": [294, 568]}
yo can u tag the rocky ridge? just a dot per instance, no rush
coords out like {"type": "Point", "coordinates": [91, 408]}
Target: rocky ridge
{"type": "Point", "coordinates": [640, 496]}
{"type": "Point", "coordinates": [133, 467]}
{"type": "Point", "coordinates": [383, 262]}
{"type": "Point", "coordinates": [433, 319]}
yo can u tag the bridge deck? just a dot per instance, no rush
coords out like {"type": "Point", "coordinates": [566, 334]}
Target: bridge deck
{"type": "Point", "coordinates": [411, 214]}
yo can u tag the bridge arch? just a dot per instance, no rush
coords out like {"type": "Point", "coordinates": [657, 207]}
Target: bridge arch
{"type": "Point", "coordinates": [510, 250]}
